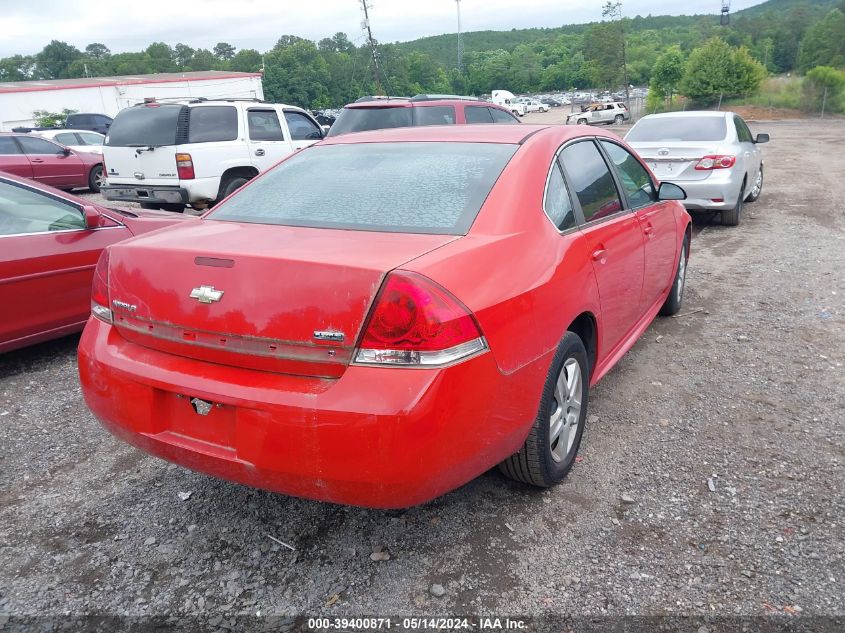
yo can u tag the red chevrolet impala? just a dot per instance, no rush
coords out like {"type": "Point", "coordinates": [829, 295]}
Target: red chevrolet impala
{"type": "Point", "coordinates": [384, 316]}
{"type": "Point", "coordinates": [50, 163]}
{"type": "Point", "coordinates": [49, 245]}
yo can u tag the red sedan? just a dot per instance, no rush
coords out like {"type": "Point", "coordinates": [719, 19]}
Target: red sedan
{"type": "Point", "coordinates": [49, 244]}
{"type": "Point", "coordinates": [440, 305]}
{"type": "Point", "coordinates": [50, 163]}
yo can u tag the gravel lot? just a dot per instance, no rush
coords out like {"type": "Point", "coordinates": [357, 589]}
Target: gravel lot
{"type": "Point", "coordinates": [711, 483]}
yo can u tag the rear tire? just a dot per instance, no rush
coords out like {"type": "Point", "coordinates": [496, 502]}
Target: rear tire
{"type": "Point", "coordinates": [231, 186]}
{"type": "Point", "coordinates": [673, 302]}
{"type": "Point", "coordinates": [757, 190]}
{"type": "Point", "coordinates": [619, 119]}
{"type": "Point", "coordinates": [732, 217]}
{"type": "Point", "coordinates": [582, 121]}
{"type": "Point", "coordinates": [552, 444]}
{"type": "Point", "coordinates": [96, 178]}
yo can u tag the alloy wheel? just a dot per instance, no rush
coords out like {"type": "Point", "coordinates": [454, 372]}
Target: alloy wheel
{"type": "Point", "coordinates": [566, 410]}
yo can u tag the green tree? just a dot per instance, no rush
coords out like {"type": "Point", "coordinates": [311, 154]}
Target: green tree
{"type": "Point", "coordinates": [224, 51]}
{"type": "Point", "coordinates": [824, 44]}
{"type": "Point", "coordinates": [96, 50]}
{"type": "Point", "coordinates": [203, 59]}
{"type": "Point", "coordinates": [297, 74]}
{"type": "Point", "coordinates": [246, 60]}
{"type": "Point", "coordinates": [716, 70]}
{"type": "Point", "coordinates": [17, 68]}
{"type": "Point", "coordinates": [43, 118]}
{"type": "Point", "coordinates": [55, 58]}
{"type": "Point", "coordinates": [182, 55]}
{"type": "Point", "coordinates": [161, 57]}
{"type": "Point", "coordinates": [665, 76]}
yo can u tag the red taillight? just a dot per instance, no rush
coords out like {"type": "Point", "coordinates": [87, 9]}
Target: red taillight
{"type": "Point", "coordinates": [709, 163]}
{"type": "Point", "coordinates": [414, 321]}
{"type": "Point", "coordinates": [100, 289]}
{"type": "Point", "coordinates": [184, 167]}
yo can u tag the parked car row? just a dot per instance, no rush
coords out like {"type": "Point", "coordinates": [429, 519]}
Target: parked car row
{"type": "Point", "coordinates": [329, 330]}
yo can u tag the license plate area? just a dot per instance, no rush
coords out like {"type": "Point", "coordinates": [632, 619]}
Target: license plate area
{"type": "Point", "coordinates": [198, 418]}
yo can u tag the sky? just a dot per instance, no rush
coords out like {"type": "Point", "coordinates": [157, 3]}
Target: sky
{"type": "Point", "coordinates": [26, 26]}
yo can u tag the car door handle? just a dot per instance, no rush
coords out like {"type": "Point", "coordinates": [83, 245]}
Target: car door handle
{"type": "Point", "coordinates": [600, 254]}
{"type": "Point", "coordinates": [37, 160]}
{"type": "Point", "coordinates": [648, 229]}
{"type": "Point", "coordinates": [259, 152]}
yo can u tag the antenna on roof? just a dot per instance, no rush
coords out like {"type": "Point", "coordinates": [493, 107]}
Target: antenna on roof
{"type": "Point", "coordinates": [726, 13]}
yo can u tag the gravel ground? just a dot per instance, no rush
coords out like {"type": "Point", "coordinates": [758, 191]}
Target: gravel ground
{"type": "Point", "coordinates": [710, 485]}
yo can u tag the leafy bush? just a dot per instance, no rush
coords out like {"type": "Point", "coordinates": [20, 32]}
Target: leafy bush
{"type": "Point", "coordinates": [43, 118]}
{"type": "Point", "coordinates": [824, 85]}
{"type": "Point", "coordinates": [718, 70]}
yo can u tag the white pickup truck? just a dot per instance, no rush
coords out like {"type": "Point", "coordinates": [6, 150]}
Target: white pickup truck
{"type": "Point", "coordinates": [171, 154]}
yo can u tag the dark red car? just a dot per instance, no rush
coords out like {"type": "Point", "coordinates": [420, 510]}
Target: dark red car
{"type": "Point", "coordinates": [377, 113]}
{"type": "Point", "coordinates": [441, 305]}
{"type": "Point", "coordinates": [49, 163]}
{"type": "Point", "coordinates": [49, 244]}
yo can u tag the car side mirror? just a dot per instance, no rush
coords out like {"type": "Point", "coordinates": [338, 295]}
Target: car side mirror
{"type": "Point", "coordinates": [66, 151]}
{"type": "Point", "coordinates": [92, 217]}
{"type": "Point", "coordinates": [762, 138]}
{"type": "Point", "coordinates": [670, 191]}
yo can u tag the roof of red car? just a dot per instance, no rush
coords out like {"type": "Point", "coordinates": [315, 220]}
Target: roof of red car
{"type": "Point", "coordinates": [515, 133]}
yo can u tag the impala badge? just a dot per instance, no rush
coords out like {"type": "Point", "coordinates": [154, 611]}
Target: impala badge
{"type": "Point", "coordinates": [206, 294]}
{"type": "Point", "coordinates": [337, 337]}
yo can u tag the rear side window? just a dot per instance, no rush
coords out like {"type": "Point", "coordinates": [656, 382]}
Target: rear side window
{"type": "Point", "coordinates": [363, 119]}
{"type": "Point", "coordinates": [434, 115]}
{"type": "Point", "coordinates": [302, 128]}
{"type": "Point", "coordinates": [592, 181]}
{"type": "Point", "coordinates": [210, 124]}
{"type": "Point", "coordinates": [678, 128]}
{"type": "Point", "coordinates": [557, 203]}
{"type": "Point", "coordinates": [8, 146]}
{"type": "Point", "coordinates": [434, 188]}
{"type": "Point", "coordinates": [144, 126]}
{"type": "Point", "coordinates": [90, 138]}
{"type": "Point", "coordinates": [478, 114]}
{"type": "Point", "coordinates": [68, 138]}
{"type": "Point", "coordinates": [635, 179]}
{"type": "Point", "coordinates": [500, 116]}
{"type": "Point", "coordinates": [264, 125]}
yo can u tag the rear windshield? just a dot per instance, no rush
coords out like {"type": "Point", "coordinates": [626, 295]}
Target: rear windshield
{"type": "Point", "coordinates": [363, 119]}
{"type": "Point", "coordinates": [666, 129]}
{"type": "Point", "coordinates": [394, 187]}
{"type": "Point", "coordinates": [144, 126]}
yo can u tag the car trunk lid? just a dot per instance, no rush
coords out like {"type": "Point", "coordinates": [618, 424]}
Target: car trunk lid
{"type": "Point", "coordinates": [274, 298]}
{"type": "Point", "coordinates": [676, 161]}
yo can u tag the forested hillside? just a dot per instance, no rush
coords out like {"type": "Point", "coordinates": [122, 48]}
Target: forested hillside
{"type": "Point", "coordinates": [779, 36]}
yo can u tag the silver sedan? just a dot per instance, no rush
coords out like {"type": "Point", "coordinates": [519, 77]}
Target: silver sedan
{"type": "Point", "coordinates": [711, 155]}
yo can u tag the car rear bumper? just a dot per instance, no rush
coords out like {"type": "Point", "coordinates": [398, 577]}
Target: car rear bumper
{"type": "Point", "coordinates": [156, 194]}
{"type": "Point", "coordinates": [375, 437]}
{"type": "Point", "coordinates": [715, 193]}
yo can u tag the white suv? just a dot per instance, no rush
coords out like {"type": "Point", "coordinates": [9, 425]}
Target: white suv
{"type": "Point", "coordinates": [532, 105]}
{"type": "Point", "coordinates": [595, 113]}
{"type": "Point", "coordinates": [171, 154]}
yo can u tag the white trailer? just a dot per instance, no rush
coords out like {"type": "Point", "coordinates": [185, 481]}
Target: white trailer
{"type": "Point", "coordinates": [109, 95]}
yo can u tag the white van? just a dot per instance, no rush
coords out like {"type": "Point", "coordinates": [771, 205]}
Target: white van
{"type": "Point", "coordinates": [506, 99]}
{"type": "Point", "coordinates": [171, 154]}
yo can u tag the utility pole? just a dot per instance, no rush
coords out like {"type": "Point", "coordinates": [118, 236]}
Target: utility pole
{"type": "Point", "coordinates": [613, 10]}
{"type": "Point", "coordinates": [726, 13]}
{"type": "Point", "coordinates": [460, 39]}
{"type": "Point", "coordinates": [366, 25]}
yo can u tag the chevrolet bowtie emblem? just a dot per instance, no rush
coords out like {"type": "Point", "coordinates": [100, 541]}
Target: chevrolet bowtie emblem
{"type": "Point", "coordinates": [206, 294]}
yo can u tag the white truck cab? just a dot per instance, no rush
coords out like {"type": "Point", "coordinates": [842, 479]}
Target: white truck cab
{"type": "Point", "coordinates": [506, 99]}
{"type": "Point", "coordinates": [166, 155]}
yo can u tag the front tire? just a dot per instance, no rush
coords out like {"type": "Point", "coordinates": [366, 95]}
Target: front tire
{"type": "Point", "coordinates": [96, 179]}
{"type": "Point", "coordinates": [619, 119]}
{"type": "Point", "coordinates": [673, 302]}
{"type": "Point", "coordinates": [552, 444]}
{"type": "Point", "coordinates": [582, 121]}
